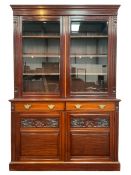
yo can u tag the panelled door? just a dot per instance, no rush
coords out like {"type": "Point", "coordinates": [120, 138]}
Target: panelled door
{"type": "Point", "coordinates": [90, 58]}
{"type": "Point", "coordinates": [90, 136]}
{"type": "Point", "coordinates": [39, 57]}
{"type": "Point", "coordinates": [39, 136]}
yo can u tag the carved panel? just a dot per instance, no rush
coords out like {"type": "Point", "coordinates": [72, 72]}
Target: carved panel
{"type": "Point", "coordinates": [40, 123]}
{"type": "Point", "coordinates": [86, 122]}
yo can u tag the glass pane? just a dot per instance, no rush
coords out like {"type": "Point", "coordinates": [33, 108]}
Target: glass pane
{"type": "Point", "coordinates": [89, 28]}
{"type": "Point", "coordinates": [89, 56]}
{"type": "Point", "coordinates": [41, 28]}
{"type": "Point", "coordinates": [41, 57]}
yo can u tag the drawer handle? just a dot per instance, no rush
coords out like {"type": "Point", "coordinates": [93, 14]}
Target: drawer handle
{"type": "Point", "coordinates": [78, 106]}
{"type": "Point", "coordinates": [51, 106]}
{"type": "Point", "coordinates": [27, 106]}
{"type": "Point", "coordinates": [102, 106]}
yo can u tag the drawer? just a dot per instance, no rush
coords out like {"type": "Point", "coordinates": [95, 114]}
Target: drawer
{"type": "Point", "coordinates": [38, 106]}
{"type": "Point", "coordinates": [91, 106]}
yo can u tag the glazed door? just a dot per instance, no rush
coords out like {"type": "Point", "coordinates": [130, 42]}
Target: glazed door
{"type": "Point", "coordinates": [89, 56]}
{"type": "Point", "coordinates": [41, 63]}
{"type": "Point", "coordinates": [39, 136]}
{"type": "Point", "coordinates": [90, 136]}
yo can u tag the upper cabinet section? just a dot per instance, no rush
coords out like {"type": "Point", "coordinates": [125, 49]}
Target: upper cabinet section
{"type": "Point", "coordinates": [65, 51]}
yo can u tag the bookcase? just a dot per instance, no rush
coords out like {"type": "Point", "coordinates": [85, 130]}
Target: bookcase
{"type": "Point", "coordinates": [64, 114]}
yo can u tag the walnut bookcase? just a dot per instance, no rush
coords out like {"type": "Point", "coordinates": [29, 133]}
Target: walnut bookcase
{"type": "Point", "coordinates": [64, 115]}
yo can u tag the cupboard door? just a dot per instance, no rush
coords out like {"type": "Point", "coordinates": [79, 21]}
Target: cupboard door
{"type": "Point", "coordinates": [89, 136]}
{"type": "Point", "coordinates": [39, 136]}
{"type": "Point", "coordinates": [89, 66]}
{"type": "Point", "coordinates": [41, 65]}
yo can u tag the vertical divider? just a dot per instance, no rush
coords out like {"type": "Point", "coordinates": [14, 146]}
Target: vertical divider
{"type": "Point", "coordinates": [66, 55]}
{"type": "Point", "coordinates": [63, 136]}
{"type": "Point", "coordinates": [18, 56]}
{"type": "Point", "coordinates": [62, 58]}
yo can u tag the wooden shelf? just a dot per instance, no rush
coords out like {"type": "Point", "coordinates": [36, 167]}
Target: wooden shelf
{"type": "Point", "coordinates": [88, 73]}
{"type": "Point", "coordinates": [33, 74]}
{"type": "Point", "coordinates": [72, 36]}
{"type": "Point", "coordinates": [40, 55]}
{"type": "Point", "coordinates": [72, 55]}
{"type": "Point", "coordinates": [88, 55]}
{"type": "Point", "coordinates": [37, 74]}
{"type": "Point", "coordinates": [89, 36]}
{"type": "Point", "coordinates": [40, 36]}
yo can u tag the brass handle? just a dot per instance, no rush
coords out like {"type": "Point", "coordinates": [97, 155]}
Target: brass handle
{"type": "Point", "coordinates": [51, 106]}
{"type": "Point", "coordinates": [78, 106]}
{"type": "Point", "coordinates": [27, 106]}
{"type": "Point", "coordinates": [102, 106]}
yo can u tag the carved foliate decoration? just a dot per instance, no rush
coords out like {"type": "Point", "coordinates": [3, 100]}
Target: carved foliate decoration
{"type": "Point", "coordinates": [15, 19]}
{"type": "Point", "coordinates": [12, 106]}
{"type": "Point", "coordinates": [117, 107]}
{"type": "Point", "coordinates": [114, 22]}
{"type": "Point", "coordinates": [115, 19]}
{"type": "Point", "coordinates": [86, 122]}
{"type": "Point", "coordinates": [40, 123]}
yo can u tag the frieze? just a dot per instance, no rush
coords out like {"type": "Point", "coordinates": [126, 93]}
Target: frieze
{"type": "Point", "coordinates": [40, 123]}
{"type": "Point", "coordinates": [86, 122]}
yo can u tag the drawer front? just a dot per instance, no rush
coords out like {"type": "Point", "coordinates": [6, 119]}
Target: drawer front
{"type": "Point", "coordinates": [91, 106]}
{"type": "Point", "coordinates": [38, 106]}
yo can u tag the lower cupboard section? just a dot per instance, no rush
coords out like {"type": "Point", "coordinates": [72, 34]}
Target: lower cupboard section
{"type": "Point", "coordinates": [64, 141]}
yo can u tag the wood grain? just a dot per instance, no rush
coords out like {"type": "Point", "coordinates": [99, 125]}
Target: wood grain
{"type": "Point", "coordinates": [90, 106]}
{"type": "Point", "coordinates": [39, 107]}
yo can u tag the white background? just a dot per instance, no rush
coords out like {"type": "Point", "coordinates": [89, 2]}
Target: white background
{"type": "Point", "coordinates": [123, 81]}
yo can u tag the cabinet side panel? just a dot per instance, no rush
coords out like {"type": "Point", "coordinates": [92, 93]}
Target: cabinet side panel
{"type": "Point", "coordinates": [17, 56]}
{"type": "Point", "coordinates": [112, 55]}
